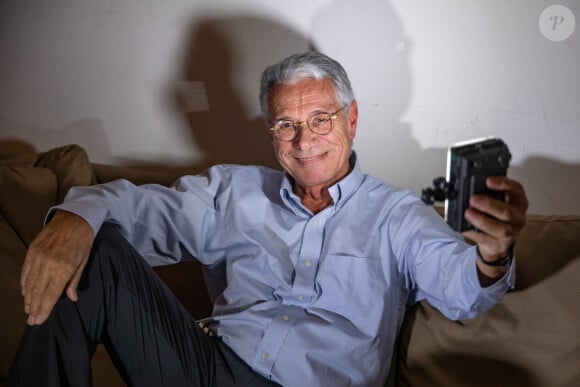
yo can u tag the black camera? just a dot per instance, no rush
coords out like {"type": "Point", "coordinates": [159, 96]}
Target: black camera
{"type": "Point", "coordinates": [468, 165]}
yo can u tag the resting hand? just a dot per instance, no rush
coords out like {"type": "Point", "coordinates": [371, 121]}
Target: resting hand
{"type": "Point", "coordinates": [499, 222]}
{"type": "Point", "coordinates": [55, 260]}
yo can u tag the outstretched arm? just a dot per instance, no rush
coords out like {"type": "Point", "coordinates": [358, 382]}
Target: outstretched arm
{"type": "Point", "coordinates": [54, 262]}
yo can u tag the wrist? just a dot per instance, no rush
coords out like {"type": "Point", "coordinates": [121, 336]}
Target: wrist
{"type": "Point", "coordinates": [501, 262]}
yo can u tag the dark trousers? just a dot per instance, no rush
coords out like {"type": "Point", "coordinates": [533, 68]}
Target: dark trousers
{"type": "Point", "coordinates": [151, 338]}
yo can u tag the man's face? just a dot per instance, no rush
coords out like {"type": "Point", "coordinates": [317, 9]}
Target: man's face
{"type": "Point", "coordinates": [314, 161]}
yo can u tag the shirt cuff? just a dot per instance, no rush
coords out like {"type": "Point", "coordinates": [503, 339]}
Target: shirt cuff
{"type": "Point", "coordinates": [93, 215]}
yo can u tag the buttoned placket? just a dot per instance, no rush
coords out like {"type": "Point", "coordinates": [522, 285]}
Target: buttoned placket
{"type": "Point", "coordinates": [303, 293]}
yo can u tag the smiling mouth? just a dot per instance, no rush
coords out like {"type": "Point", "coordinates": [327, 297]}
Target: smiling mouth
{"type": "Point", "coordinates": [307, 160]}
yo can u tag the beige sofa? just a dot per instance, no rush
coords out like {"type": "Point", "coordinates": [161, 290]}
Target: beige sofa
{"type": "Point", "coordinates": [531, 338]}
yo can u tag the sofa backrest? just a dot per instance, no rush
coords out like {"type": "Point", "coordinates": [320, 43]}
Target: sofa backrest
{"type": "Point", "coordinates": [30, 184]}
{"type": "Point", "coordinates": [531, 338]}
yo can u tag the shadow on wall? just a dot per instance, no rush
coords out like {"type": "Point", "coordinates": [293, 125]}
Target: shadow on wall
{"type": "Point", "coordinates": [76, 132]}
{"type": "Point", "coordinates": [552, 186]}
{"type": "Point", "coordinates": [228, 56]}
{"type": "Point", "coordinates": [375, 52]}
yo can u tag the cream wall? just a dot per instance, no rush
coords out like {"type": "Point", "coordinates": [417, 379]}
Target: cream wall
{"type": "Point", "coordinates": [111, 75]}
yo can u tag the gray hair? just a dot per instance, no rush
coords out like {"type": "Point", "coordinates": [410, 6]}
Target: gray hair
{"type": "Point", "coordinates": [309, 64]}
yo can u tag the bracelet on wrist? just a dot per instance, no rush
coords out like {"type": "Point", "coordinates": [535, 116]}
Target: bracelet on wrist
{"type": "Point", "coordinates": [500, 262]}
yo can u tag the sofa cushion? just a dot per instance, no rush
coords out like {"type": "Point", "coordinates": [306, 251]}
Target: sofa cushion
{"type": "Point", "coordinates": [26, 195]}
{"type": "Point", "coordinates": [71, 166]}
{"type": "Point", "coordinates": [529, 339]}
{"type": "Point", "coordinates": [29, 185]}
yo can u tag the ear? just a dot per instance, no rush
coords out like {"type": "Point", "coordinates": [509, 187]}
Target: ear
{"type": "Point", "coordinates": [352, 118]}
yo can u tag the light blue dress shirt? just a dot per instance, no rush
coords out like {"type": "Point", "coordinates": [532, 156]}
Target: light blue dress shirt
{"type": "Point", "coordinates": [306, 300]}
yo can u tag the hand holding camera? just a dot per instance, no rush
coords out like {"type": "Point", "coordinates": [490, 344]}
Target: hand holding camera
{"type": "Point", "coordinates": [468, 166]}
{"type": "Point", "coordinates": [480, 201]}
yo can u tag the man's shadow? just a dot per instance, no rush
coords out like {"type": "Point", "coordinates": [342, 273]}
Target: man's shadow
{"type": "Point", "coordinates": [378, 64]}
{"type": "Point", "coordinates": [228, 56]}
{"type": "Point", "coordinates": [377, 61]}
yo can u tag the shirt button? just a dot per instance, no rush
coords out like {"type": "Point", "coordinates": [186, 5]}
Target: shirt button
{"type": "Point", "coordinates": [265, 356]}
{"type": "Point", "coordinates": [286, 317]}
{"type": "Point", "coordinates": [315, 222]}
{"type": "Point", "coordinates": [308, 262]}
{"type": "Point", "coordinates": [301, 298]}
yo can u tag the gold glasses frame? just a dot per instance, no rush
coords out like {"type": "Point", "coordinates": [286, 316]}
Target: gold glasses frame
{"type": "Point", "coordinates": [287, 130]}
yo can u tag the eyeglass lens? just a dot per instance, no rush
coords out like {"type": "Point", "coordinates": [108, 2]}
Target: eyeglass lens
{"type": "Point", "coordinates": [320, 123]}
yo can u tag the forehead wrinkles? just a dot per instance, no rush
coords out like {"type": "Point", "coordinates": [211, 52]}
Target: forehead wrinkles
{"type": "Point", "coordinates": [302, 98]}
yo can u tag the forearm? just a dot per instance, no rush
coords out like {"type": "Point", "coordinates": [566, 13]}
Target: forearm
{"type": "Point", "coordinates": [119, 202]}
{"type": "Point", "coordinates": [153, 218]}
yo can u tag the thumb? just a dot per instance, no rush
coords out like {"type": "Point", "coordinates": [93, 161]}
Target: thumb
{"type": "Point", "coordinates": [71, 290]}
{"type": "Point", "coordinates": [71, 293]}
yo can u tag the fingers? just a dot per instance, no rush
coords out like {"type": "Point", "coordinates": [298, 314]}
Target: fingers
{"type": "Point", "coordinates": [493, 238]}
{"type": "Point", "coordinates": [499, 223]}
{"type": "Point", "coordinates": [71, 290]}
{"type": "Point", "coordinates": [24, 274]}
{"type": "Point", "coordinates": [44, 296]}
{"type": "Point", "coordinates": [511, 211]}
{"type": "Point", "coordinates": [30, 280]}
{"type": "Point", "coordinates": [514, 192]}
{"type": "Point", "coordinates": [44, 283]}
{"type": "Point", "coordinates": [54, 261]}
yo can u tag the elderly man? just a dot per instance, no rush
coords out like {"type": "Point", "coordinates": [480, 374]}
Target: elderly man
{"type": "Point", "coordinates": [311, 268]}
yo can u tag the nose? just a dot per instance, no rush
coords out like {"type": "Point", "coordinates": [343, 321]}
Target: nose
{"type": "Point", "coordinates": [304, 136]}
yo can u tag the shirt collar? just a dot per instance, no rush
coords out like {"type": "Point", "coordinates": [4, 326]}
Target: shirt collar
{"type": "Point", "coordinates": [340, 192]}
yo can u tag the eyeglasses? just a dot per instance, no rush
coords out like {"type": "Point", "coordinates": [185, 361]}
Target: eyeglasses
{"type": "Point", "coordinates": [318, 123]}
